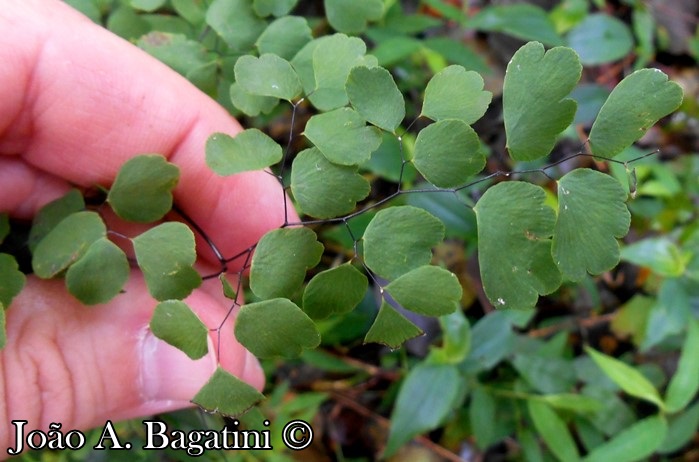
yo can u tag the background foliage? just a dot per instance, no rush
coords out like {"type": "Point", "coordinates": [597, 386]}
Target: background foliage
{"type": "Point", "coordinates": [606, 367]}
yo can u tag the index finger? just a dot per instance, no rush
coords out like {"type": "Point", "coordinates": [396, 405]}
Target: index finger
{"type": "Point", "coordinates": [76, 102]}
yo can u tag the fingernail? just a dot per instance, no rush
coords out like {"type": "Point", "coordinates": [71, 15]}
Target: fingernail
{"type": "Point", "coordinates": [169, 375]}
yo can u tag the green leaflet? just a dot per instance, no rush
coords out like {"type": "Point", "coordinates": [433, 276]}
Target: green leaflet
{"type": "Point", "coordinates": [142, 190]}
{"type": "Point", "coordinates": [418, 408]}
{"type": "Point", "coordinates": [514, 245]}
{"type": "Point", "coordinates": [53, 213]}
{"type": "Point", "coordinates": [522, 20]}
{"type": "Point", "coordinates": [427, 290]}
{"type": "Point", "coordinates": [275, 327]}
{"type": "Point", "coordinates": [226, 394]}
{"type": "Point", "coordinates": [334, 291]}
{"type": "Point", "coordinates": [685, 383]}
{"type": "Point", "coordinates": [447, 153]}
{"type": "Point", "coordinates": [535, 106]}
{"type": "Point", "coordinates": [323, 189]}
{"type": "Point", "coordinates": [175, 323]}
{"type": "Point", "coordinates": [249, 150]}
{"type": "Point", "coordinates": [374, 94]}
{"type": "Point", "coordinates": [454, 93]}
{"type": "Point", "coordinates": [342, 136]}
{"type": "Point", "coordinates": [399, 239]}
{"type": "Point", "coordinates": [100, 274]}
{"type": "Point", "coordinates": [235, 22]}
{"type": "Point", "coordinates": [350, 16]}
{"type": "Point", "coordinates": [285, 36]}
{"type": "Point", "coordinates": [66, 243]}
{"type": "Point", "coordinates": [553, 429]}
{"type": "Point", "coordinates": [600, 38]}
{"type": "Point", "coordinates": [12, 280]}
{"type": "Point", "coordinates": [591, 214]}
{"type": "Point", "coordinates": [391, 328]}
{"type": "Point", "coordinates": [268, 75]}
{"type": "Point", "coordinates": [324, 64]}
{"type": "Point", "coordinates": [627, 378]}
{"type": "Point", "coordinates": [166, 254]}
{"type": "Point", "coordinates": [637, 442]}
{"type": "Point", "coordinates": [635, 105]}
{"type": "Point", "coordinates": [251, 105]}
{"type": "Point", "coordinates": [273, 7]}
{"type": "Point", "coordinates": [280, 261]}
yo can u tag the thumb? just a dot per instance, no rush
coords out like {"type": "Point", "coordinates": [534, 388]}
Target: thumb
{"type": "Point", "coordinates": [81, 366]}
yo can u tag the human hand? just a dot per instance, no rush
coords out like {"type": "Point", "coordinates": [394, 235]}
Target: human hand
{"type": "Point", "coordinates": [75, 103]}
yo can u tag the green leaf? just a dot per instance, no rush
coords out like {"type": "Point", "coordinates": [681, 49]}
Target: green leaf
{"type": "Point", "coordinates": [53, 213]}
{"type": "Point", "coordinates": [191, 10]}
{"type": "Point", "coordinates": [177, 51]}
{"type": "Point", "coordinates": [454, 51]}
{"type": "Point", "coordinates": [235, 22]}
{"type": "Point", "coordinates": [228, 291]}
{"type": "Point", "coordinates": [251, 105]}
{"type": "Point", "coordinates": [249, 150]}
{"type": "Point", "coordinates": [591, 214]}
{"type": "Point", "coordinates": [659, 254]}
{"type": "Point", "coordinates": [391, 328]}
{"type": "Point", "coordinates": [454, 210]}
{"type": "Point", "coordinates": [281, 259]}
{"type": "Point", "coordinates": [553, 430]}
{"type": "Point", "coordinates": [524, 21]}
{"type": "Point", "coordinates": [335, 291]}
{"type": "Point", "coordinates": [147, 5]}
{"type": "Point", "coordinates": [275, 327]}
{"type": "Point", "coordinates": [491, 341]}
{"type": "Point", "coordinates": [447, 153]}
{"type": "Point", "coordinates": [350, 16]}
{"type": "Point", "coordinates": [331, 58]}
{"type": "Point", "coordinates": [343, 137]}
{"type": "Point", "coordinates": [514, 245]}
{"type": "Point", "coordinates": [175, 323]}
{"type": "Point", "coordinates": [374, 94]}
{"type": "Point", "coordinates": [547, 375]}
{"type": "Point", "coordinates": [418, 408]}
{"type": "Point", "coordinates": [166, 254]}
{"type": "Point", "coordinates": [685, 383]}
{"type": "Point", "coordinates": [600, 38]}
{"type": "Point", "coordinates": [142, 190]}
{"type": "Point", "coordinates": [268, 75]}
{"type": "Point", "coordinates": [482, 409]}
{"type": "Point", "coordinates": [273, 7]}
{"type": "Point", "coordinates": [681, 430]}
{"type": "Point", "coordinates": [428, 290]}
{"type": "Point", "coordinates": [100, 274]}
{"type": "Point", "coordinates": [399, 239]}
{"type": "Point", "coordinates": [456, 339]}
{"type": "Point", "coordinates": [634, 106]}
{"type": "Point", "coordinates": [629, 379]}
{"type": "Point", "coordinates": [12, 280]}
{"type": "Point", "coordinates": [285, 36]}
{"type": "Point", "coordinates": [535, 106]}
{"type": "Point", "coordinates": [323, 189]}
{"type": "Point", "coordinates": [4, 226]}
{"type": "Point", "coordinates": [580, 404]}
{"type": "Point", "coordinates": [635, 443]}
{"type": "Point", "coordinates": [66, 243]}
{"type": "Point", "coordinates": [455, 93]}
{"type": "Point", "coordinates": [226, 395]}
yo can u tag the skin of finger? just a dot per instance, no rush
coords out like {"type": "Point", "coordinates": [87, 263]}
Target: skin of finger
{"type": "Point", "coordinates": [77, 101]}
{"type": "Point", "coordinates": [79, 366]}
